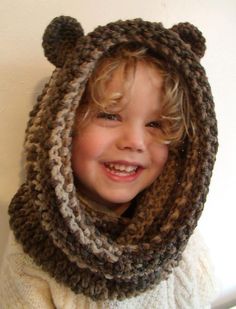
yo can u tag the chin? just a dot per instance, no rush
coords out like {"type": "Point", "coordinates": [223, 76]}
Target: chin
{"type": "Point", "coordinates": [118, 197]}
{"type": "Point", "coordinates": [117, 201]}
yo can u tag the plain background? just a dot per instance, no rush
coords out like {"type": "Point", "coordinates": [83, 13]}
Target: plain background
{"type": "Point", "coordinates": [24, 70]}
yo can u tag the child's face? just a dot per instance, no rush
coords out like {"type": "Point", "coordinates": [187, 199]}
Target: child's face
{"type": "Point", "coordinates": [117, 154]}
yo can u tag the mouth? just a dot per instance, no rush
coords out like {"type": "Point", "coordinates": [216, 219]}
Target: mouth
{"type": "Point", "coordinates": [122, 169]}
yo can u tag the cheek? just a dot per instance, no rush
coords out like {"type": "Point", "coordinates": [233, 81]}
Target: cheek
{"type": "Point", "coordinates": [86, 148]}
{"type": "Point", "coordinates": [82, 147]}
{"type": "Point", "coordinates": [81, 151]}
{"type": "Point", "coordinates": [75, 156]}
{"type": "Point", "coordinates": [160, 156]}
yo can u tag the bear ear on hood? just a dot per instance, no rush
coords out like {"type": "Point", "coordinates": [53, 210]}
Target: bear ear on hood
{"type": "Point", "coordinates": [60, 38]}
{"type": "Point", "coordinates": [192, 36]}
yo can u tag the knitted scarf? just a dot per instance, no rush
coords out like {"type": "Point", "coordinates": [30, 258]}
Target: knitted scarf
{"type": "Point", "coordinates": [103, 256]}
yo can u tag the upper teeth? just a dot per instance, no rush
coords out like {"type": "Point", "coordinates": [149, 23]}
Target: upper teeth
{"type": "Point", "coordinates": [122, 167]}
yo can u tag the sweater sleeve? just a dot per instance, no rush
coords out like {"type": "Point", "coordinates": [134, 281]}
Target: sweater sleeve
{"type": "Point", "coordinates": [22, 283]}
{"type": "Point", "coordinates": [193, 280]}
{"type": "Point", "coordinates": [191, 285]}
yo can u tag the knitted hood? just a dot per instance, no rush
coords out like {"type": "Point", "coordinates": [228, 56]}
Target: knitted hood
{"type": "Point", "coordinates": [93, 253]}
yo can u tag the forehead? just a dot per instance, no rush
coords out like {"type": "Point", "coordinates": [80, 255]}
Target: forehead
{"type": "Point", "coordinates": [144, 71]}
{"type": "Point", "coordinates": [143, 85]}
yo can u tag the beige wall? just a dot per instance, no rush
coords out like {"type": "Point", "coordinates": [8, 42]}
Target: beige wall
{"type": "Point", "coordinates": [24, 70]}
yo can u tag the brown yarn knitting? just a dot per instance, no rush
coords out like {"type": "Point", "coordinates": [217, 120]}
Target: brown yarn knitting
{"type": "Point", "coordinates": [92, 253]}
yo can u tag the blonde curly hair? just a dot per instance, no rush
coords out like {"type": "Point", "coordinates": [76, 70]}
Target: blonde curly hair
{"type": "Point", "coordinates": [176, 109]}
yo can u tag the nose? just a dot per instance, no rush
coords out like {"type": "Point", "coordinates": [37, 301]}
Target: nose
{"type": "Point", "coordinates": [132, 139]}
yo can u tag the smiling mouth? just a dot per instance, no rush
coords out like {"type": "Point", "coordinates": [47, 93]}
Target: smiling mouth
{"type": "Point", "coordinates": [121, 169]}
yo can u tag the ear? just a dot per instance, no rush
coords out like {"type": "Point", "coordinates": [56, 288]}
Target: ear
{"type": "Point", "coordinates": [60, 38]}
{"type": "Point", "coordinates": [192, 36]}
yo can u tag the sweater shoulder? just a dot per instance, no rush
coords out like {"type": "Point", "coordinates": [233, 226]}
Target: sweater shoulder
{"type": "Point", "coordinates": [190, 285]}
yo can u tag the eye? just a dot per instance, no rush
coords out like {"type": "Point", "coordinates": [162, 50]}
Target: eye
{"type": "Point", "coordinates": [155, 124]}
{"type": "Point", "coordinates": [108, 116]}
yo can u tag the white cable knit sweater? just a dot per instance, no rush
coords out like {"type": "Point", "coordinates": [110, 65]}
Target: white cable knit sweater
{"type": "Point", "coordinates": [25, 285]}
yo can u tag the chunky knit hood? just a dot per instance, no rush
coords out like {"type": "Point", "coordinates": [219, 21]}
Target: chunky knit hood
{"type": "Point", "coordinates": [93, 253]}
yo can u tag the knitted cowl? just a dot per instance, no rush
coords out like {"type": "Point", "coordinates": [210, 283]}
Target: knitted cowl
{"type": "Point", "coordinates": [96, 254]}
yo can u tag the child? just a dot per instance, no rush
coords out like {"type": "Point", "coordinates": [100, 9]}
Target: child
{"type": "Point", "coordinates": [120, 149]}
